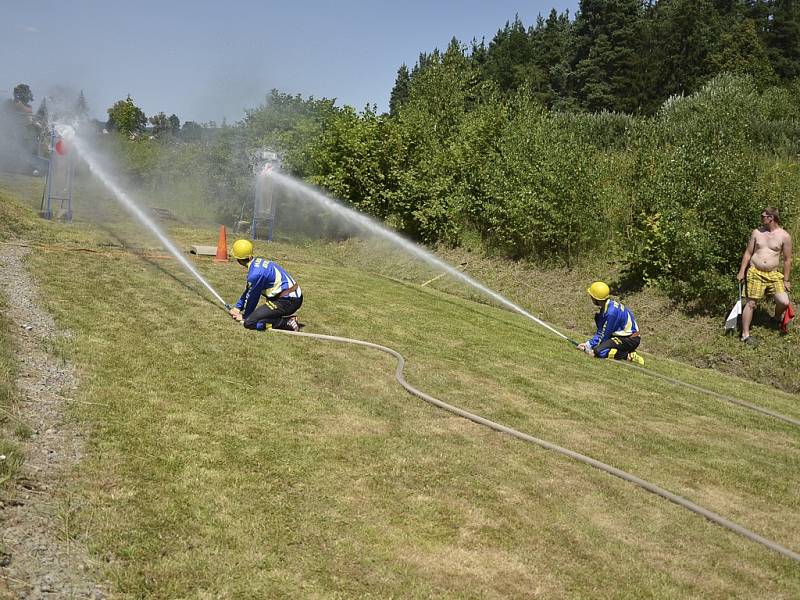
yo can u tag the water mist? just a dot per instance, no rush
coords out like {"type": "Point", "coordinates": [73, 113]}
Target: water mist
{"type": "Point", "coordinates": [373, 227]}
{"type": "Point", "coordinates": [86, 152]}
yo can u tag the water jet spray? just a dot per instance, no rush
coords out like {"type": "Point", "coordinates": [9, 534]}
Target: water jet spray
{"type": "Point", "coordinates": [68, 133]}
{"type": "Point", "coordinates": [365, 223]}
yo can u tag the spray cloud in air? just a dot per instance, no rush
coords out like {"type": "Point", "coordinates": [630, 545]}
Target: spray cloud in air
{"type": "Point", "coordinates": [296, 191]}
{"type": "Point", "coordinates": [69, 134]}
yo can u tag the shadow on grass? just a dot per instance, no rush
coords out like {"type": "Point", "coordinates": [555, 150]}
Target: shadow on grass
{"type": "Point", "coordinates": [153, 263]}
{"type": "Point", "coordinates": [627, 283]}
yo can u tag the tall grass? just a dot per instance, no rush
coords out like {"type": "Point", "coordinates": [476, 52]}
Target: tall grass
{"type": "Point", "coordinates": [10, 456]}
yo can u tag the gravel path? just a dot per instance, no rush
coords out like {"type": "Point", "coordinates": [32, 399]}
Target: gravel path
{"type": "Point", "coordinates": [43, 556]}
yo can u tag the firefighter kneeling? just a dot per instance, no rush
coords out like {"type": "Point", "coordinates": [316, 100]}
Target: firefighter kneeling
{"type": "Point", "coordinates": [282, 295]}
{"type": "Point", "coordinates": [617, 334]}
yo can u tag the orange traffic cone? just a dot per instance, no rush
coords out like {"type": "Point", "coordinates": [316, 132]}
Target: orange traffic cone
{"type": "Point", "coordinates": [222, 246]}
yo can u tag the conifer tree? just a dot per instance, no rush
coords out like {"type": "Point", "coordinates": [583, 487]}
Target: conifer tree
{"type": "Point", "coordinates": [605, 63]}
{"type": "Point", "coordinates": [681, 35]}
{"type": "Point", "coordinates": [42, 114]}
{"type": "Point", "coordinates": [509, 60]}
{"type": "Point", "coordinates": [552, 44]}
{"type": "Point", "coordinates": [741, 52]}
{"type": "Point", "coordinates": [81, 107]}
{"type": "Point", "coordinates": [479, 54]}
{"type": "Point", "coordinates": [783, 37]}
{"type": "Point", "coordinates": [400, 90]}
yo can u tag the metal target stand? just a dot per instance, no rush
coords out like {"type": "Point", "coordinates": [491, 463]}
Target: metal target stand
{"type": "Point", "coordinates": [57, 195]}
{"type": "Point", "coordinates": [265, 208]}
{"type": "Point", "coordinates": [264, 201]}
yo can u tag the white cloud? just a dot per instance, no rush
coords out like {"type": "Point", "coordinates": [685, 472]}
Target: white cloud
{"type": "Point", "coordinates": [28, 29]}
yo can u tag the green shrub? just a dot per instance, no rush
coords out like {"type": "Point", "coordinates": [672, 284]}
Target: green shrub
{"type": "Point", "coordinates": [698, 187]}
{"type": "Point", "coordinates": [542, 194]}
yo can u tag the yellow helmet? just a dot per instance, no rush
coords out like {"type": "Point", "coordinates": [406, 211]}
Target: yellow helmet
{"type": "Point", "coordinates": [242, 249]}
{"type": "Point", "coordinates": [599, 290]}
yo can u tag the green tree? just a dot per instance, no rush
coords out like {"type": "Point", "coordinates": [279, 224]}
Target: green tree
{"type": "Point", "coordinates": [741, 52]}
{"type": "Point", "coordinates": [400, 90]}
{"type": "Point", "coordinates": [42, 114]}
{"type": "Point", "coordinates": [680, 37]}
{"type": "Point", "coordinates": [479, 53]}
{"type": "Point", "coordinates": [552, 42]}
{"type": "Point", "coordinates": [287, 124]}
{"type": "Point", "coordinates": [126, 117]}
{"type": "Point", "coordinates": [427, 205]}
{"type": "Point", "coordinates": [510, 59]}
{"type": "Point", "coordinates": [174, 123]}
{"type": "Point", "coordinates": [606, 62]}
{"type": "Point", "coordinates": [424, 61]}
{"type": "Point", "coordinates": [782, 37]}
{"type": "Point", "coordinates": [161, 124]}
{"type": "Point", "coordinates": [357, 159]}
{"type": "Point", "coordinates": [191, 131]}
{"type": "Point", "coordinates": [81, 107]}
{"type": "Point", "coordinates": [23, 94]}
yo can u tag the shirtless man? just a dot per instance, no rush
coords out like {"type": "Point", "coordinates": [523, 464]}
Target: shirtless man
{"type": "Point", "coordinates": [760, 268]}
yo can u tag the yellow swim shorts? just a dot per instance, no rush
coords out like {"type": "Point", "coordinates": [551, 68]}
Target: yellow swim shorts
{"type": "Point", "coordinates": [760, 282]}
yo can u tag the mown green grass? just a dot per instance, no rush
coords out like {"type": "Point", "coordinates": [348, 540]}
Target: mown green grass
{"type": "Point", "coordinates": [558, 296]}
{"type": "Point", "coordinates": [227, 463]}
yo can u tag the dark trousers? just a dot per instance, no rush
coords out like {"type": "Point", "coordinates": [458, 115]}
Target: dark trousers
{"type": "Point", "coordinates": [272, 314]}
{"type": "Point", "coordinates": [617, 347]}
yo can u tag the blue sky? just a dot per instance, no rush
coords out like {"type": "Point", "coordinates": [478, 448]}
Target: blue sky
{"type": "Point", "coordinates": [207, 60]}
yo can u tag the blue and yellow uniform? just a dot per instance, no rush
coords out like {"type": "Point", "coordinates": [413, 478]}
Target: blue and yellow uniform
{"type": "Point", "coordinates": [617, 333]}
{"type": "Point", "coordinates": [283, 295]}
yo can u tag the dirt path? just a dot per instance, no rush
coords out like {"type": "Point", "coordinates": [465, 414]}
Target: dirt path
{"type": "Point", "coordinates": [44, 557]}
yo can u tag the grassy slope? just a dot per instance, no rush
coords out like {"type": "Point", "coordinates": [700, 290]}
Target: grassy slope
{"type": "Point", "coordinates": [15, 219]}
{"type": "Point", "coordinates": [559, 297]}
{"type": "Point", "coordinates": [224, 463]}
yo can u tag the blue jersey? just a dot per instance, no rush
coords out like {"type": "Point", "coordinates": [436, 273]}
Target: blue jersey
{"type": "Point", "coordinates": [614, 319]}
{"type": "Point", "coordinates": [266, 278]}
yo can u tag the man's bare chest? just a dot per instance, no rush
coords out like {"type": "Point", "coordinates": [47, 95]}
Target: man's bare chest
{"type": "Point", "coordinates": [769, 241]}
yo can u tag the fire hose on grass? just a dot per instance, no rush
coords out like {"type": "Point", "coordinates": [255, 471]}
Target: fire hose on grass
{"type": "Point", "coordinates": [646, 485]}
{"type": "Point", "coordinates": [653, 374]}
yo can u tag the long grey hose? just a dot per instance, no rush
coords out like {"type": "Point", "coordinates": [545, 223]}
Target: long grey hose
{"type": "Point", "coordinates": [650, 487]}
{"type": "Point", "coordinates": [673, 381]}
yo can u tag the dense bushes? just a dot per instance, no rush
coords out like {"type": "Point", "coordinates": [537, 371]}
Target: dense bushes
{"type": "Point", "coordinates": [542, 198]}
{"type": "Point", "coordinates": [675, 195]}
{"type": "Point", "coordinates": [698, 186]}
